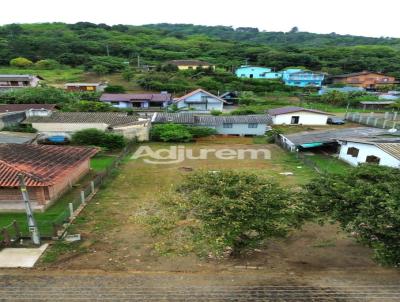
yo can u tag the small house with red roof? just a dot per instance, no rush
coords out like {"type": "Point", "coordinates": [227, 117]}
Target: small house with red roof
{"type": "Point", "coordinates": [201, 101]}
{"type": "Point", "coordinates": [49, 171]}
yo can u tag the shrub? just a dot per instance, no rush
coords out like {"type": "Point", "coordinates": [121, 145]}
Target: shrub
{"type": "Point", "coordinates": [114, 89]}
{"type": "Point", "coordinates": [21, 62]}
{"type": "Point", "coordinates": [225, 212]}
{"type": "Point", "coordinates": [201, 131]}
{"type": "Point", "coordinates": [243, 111]}
{"type": "Point", "coordinates": [95, 137]}
{"type": "Point", "coordinates": [47, 64]}
{"type": "Point", "coordinates": [171, 133]}
{"type": "Point", "coordinates": [87, 106]}
{"type": "Point", "coordinates": [37, 95]}
{"type": "Point", "coordinates": [216, 112]}
{"type": "Point", "coordinates": [20, 128]}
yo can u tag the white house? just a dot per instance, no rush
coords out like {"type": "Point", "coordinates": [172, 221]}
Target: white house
{"type": "Point", "coordinates": [256, 124]}
{"type": "Point", "coordinates": [298, 116]}
{"type": "Point", "coordinates": [13, 81]}
{"type": "Point", "coordinates": [385, 152]}
{"type": "Point", "coordinates": [201, 101]}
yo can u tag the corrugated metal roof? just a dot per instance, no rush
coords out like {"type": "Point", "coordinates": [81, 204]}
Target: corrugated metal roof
{"type": "Point", "coordinates": [291, 109]}
{"type": "Point", "coordinates": [109, 118]}
{"type": "Point", "coordinates": [210, 120]}
{"type": "Point", "coordinates": [40, 164]}
{"type": "Point", "coordinates": [328, 136]}
{"type": "Point", "coordinates": [391, 148]}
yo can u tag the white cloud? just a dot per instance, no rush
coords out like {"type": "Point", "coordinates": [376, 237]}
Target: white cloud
{"type": "Point", "coordinates": [360, 17]}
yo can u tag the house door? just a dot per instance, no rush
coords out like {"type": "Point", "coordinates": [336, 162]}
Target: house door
{"type": "Point", "coordinates": [295, 119]}
{"type": "Point", "coordinates": [251, 76]}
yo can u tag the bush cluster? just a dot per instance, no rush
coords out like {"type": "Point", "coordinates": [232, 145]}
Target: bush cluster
{"type": "Point", "coordinates": [95, 137]}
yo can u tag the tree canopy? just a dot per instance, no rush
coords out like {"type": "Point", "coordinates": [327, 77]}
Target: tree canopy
{"type": "Point", "coordinates": [106, 49]}
{"type": "Point", "coordinates": [365, 202]}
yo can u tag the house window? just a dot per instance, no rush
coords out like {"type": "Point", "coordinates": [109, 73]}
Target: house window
{"type": "Point", "coordinates": [295, 119]}
{"type": "Point", "coordinates": [227, 125]}
{"type": "Point", "coordinates": [115, 103]}
{"type": "Point", "coordinates": [242, 75]}
{"type": "Point", "coordinates": [204, 98]}
{"type": "Point", "coordinates": [253, 125]}
{"type": "Point", "coordinates": [372, 159]}
{"type": "Point", "coordinates": [353, 151]}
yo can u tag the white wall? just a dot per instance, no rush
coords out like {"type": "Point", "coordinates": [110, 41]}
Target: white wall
{"type": "Point", "coordinates": [242, 129]}
{"type": "Point", "coordinates": [364, 151]}
{"type": "Point", "coordinates": [306, 118]}
{"type": "Point", "coordinates": [66, 127]}
{"type": "Point", "coordinates": [213, 103]}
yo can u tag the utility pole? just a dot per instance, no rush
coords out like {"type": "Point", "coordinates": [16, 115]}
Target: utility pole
{"type": "Point", "coordinates": [138, 60]}
{"type": "Point", "coordinates": [33, 229]}
{"type": "Point", "coordinates": [108, 50]}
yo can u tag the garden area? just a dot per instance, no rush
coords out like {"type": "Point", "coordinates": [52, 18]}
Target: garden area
{"type": "Point", "coordinates": [139, 220]}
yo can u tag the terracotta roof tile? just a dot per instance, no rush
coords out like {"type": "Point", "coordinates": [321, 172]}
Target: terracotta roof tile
{"type": "Point", "coordinates": [41, 164]}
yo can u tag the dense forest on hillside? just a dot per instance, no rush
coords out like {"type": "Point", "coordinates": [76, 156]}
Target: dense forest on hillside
{"type": "Point", "coordinates": [95, 45]}
{"type": "Point", "coordinates": [293, 38]}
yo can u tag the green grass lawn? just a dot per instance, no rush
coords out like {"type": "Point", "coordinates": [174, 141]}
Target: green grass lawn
{"type": "Point", "coordinates": [330, 164]}
{"type": "Point", "coordinates": [101, 162]}
{"type": "Point", "coordinates": [56, 76]}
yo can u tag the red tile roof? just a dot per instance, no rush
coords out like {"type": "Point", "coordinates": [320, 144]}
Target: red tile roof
{"type": "Point", "coordinates": [41, 165]}
{"type": "Point", "coordinates": [24, 107]}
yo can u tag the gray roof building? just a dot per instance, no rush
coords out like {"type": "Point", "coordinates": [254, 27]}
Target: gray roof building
{"type": "Point", "coordinates": [110, 118]}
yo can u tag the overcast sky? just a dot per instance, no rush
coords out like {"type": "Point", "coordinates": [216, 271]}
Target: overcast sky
{"type": "Point", "coordinates": [360, 17]}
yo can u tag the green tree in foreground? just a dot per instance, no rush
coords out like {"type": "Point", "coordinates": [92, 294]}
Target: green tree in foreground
{"type": "Point", "coordinates": [226, 212]}
{"type": "Point", "coordinates": [366, 204]}
{"type": "Point", "coordinates": [21, 62]}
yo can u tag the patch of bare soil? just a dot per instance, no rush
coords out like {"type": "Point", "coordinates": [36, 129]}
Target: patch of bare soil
{"type": "Point", "coordinates": [114, 240]}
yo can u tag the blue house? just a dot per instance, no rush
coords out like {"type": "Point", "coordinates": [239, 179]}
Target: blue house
{"type": "Point", "coordinates": [254, 72]}
{"type": "Point", "coordinates": [200, 100]}
{"type": "Point", "coordinates": [302, 78]}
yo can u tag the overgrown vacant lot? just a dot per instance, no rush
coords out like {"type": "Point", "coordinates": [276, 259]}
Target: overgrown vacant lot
{"type": "Point", "coordinates": [115, 238]}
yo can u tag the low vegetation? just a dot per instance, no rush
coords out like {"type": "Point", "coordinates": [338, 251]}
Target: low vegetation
{"type": "Point", "coordinates": [179, 133]}
{"type": "Point", "coordinates": [227, 212]}
{"type": "Point", "coordinates": [95, 137]}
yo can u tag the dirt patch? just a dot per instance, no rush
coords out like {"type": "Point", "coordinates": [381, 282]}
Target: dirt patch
{"type": "Point", "coordinates": [114, 239]}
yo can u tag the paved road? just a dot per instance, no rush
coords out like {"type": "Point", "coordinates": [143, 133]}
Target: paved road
{"type": "Point", "coordinates": [47, 286]}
